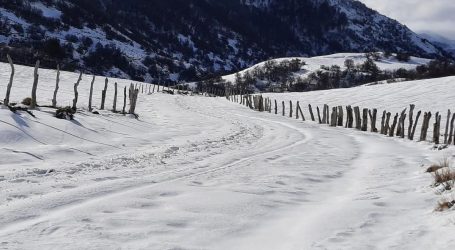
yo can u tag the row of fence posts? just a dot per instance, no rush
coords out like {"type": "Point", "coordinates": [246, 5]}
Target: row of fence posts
{"type": "Point", "coordinates": [132, 92]}
{"type": "Point", "coordinates": [361, 119]}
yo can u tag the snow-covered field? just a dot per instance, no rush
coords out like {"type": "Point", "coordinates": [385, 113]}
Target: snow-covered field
{"type": "Point", "coordinates": [204, 173]}
{"type": "Point", "coordinates": [313, 64]}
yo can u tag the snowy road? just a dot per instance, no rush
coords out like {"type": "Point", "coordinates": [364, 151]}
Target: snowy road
{"type": "Point", "coordinates": [204, 173]}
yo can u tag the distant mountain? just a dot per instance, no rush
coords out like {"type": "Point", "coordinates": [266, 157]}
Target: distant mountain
{"type": "Point", "coordinates": [176, 40]}
{"type": "Point", "coordinates": [438, 40]}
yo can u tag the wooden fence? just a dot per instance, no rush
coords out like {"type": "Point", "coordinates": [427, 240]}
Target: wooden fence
{"type": "Point", "coordinates": [402, 124]}
{"type": "Point", "coordinates": [32, 103]}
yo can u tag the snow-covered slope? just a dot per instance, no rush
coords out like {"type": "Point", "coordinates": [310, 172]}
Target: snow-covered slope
{"type": "Point", "coordinates": [313, 64]}
{"type": "Point", "coordinates": [204, 173]}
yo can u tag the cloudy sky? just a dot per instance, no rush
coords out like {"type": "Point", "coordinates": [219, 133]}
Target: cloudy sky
{"type": "Point", "coordinates": [437, 16]}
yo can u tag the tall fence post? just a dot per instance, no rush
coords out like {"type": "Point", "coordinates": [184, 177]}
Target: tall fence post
{"type": "Point", "coordinates": [114, 106]}
{"type": "Point", "coordinates": [76, 93]}
{"type": "Point", "coordinates": [340, 116]}
{"type": "Point", "coordinates": [103, 93]}
{"type": "Point", "coordinates": [411, 120]}
{"type": "Point", "coordinates": [436, 128]}
{"type": "Point", "coordinates": [446, 133]}
{"type": "Point", "coordinates": [57, 81]}
{"type": "Point", "coordinates": [33, 103]}
{"type": "Point", "coordinates": [10, 83]}
{"type": "Point", "coordinates": [91, 94]}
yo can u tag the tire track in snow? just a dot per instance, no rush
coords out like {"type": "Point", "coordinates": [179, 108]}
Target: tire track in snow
{"type": "Point", "coordinates": [172, 176]}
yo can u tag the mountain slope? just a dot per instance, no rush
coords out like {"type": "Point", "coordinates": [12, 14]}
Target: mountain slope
{"type": "Point", "coordinates": [445, 43]}
{"type": "Point", "coordinates": [156, 40]}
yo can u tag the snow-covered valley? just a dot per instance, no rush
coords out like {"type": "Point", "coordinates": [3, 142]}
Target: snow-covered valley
{"type": "Point", "coordinates": [204, 173]}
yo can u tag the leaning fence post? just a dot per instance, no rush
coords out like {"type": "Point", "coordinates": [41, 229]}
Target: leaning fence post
{"type": "Point", "coordinates": [311, 112]}
{"type": "Point", "coordinates": [415, 125]}
{"type": "Point", "coordinates": [76, 94]}
{"type": "Point", "coordinates": [35, 86]}
{"type": "Point", "coordinates": [10, 84]}
{"type": "Point", "coordinates": [91, 94]}
{"type": "Point", "coordinates": [103, 93]}
{"type": "Point", "coordinates": [411, 122]}
{"type": "Point", "coordinates": [426, 124]}
{"type": "Point", "coordinates": [394, 124]}
{"type": "Point", "coordinates": [57, 81]}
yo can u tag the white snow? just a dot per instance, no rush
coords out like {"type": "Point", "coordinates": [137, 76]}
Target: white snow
{"type": "Point", "coordinates": [47, 11]}
{"type": "Point", "coordinates": [204, 173]}
{"type": "Point", "coordinates": [315, 63]}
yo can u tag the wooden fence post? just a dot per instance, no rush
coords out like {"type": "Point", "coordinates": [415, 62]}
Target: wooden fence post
{"type": "Point", "coordinates": [415, 125]}
{"type": "Point", "coordinates": [76, 94]}
{"type": "Point", "coordinates": [358, 120]}
{"type": "Point", "coordinates": [290, 109]}
{"type": "Point", "coordinates": [103, 93]}
{"type": "Point", "coordinates": [365, 120]}
{"type": "Point", "coordinates": [446, 134]}
{"type": "Point", "coordinates": [133, 93]}
{"type": "Point", "coordinates": [324, 114]}
{"type": "Point", "coordinates": [10, 84]}
{"type": "Point", "coordinates": [91, 94]}
{"type": "Point", "coordinates": [319, 114]}
{"type": "Point", "coordinates": [400, 129]}
{"type": "Point", "coordinates": [451, 130]}
{"type": "Point", "coordinates": [328, 116]}
{"type": "Point", "coordinates": [35, 86]}
{"type": "Point", "coordinates": [114, 106]}
{"type": "Point", "coordinates": [384, 114]}
{"type": "Point", "coordinates": [283, 108]}
{"type": "Point", "coordinates": [57, 81]}
{"type": "Point", "coordinates": [436, 128]}
{"type": "Point", "coordinates": [340, 116]}
{"type": "Point", "coordinates": [394, 124]}
{"type": "Point", "coordinates": [297, 110]}
{"type": "Point", "coordinates": [311, 112]}
{"type": "Point", "coordinates": [350, 117]}
{"type": "Point", "coordinates": [124, 100]}
{"type": "Point", "coordinates": [333, 117]}
{"type": "Point", "coordinates": [411, 121]}
{"type": "Point", "coordinates": [387, 123]}
{"type": "Point", "coordinates": [373, 117]}
{"type": "Point", "coordinates": [425, 125]}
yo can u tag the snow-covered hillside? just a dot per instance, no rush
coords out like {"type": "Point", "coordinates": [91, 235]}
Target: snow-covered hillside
{"type": "Point", "coordinates": [313, 64]}
{"type": "Point", "coordinates": [204, 173]}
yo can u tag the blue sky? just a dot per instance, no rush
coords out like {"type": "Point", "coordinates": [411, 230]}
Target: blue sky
{"type": "Point", "coordinates": [436, 16]}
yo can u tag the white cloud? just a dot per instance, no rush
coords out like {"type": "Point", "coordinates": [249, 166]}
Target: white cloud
{"type": "Point", "coordinates": [435, 16]}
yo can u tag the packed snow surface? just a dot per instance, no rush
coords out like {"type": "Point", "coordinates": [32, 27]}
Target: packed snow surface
{"type": "Point", "coordinates": [204, 173]}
